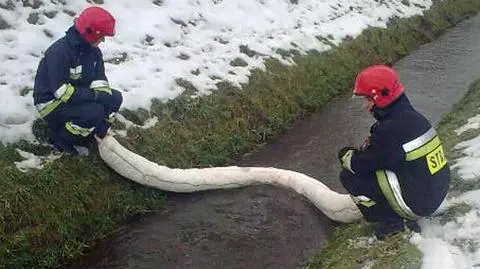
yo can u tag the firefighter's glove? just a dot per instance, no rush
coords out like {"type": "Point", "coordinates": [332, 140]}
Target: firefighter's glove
{"type": "Point", "coordinates": [345, 157]}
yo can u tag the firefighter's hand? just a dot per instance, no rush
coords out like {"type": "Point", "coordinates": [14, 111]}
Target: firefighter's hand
{"type": "Point", "coordinates": [345, 157]}
{"type": "Point", "coordinates": [343, 151]}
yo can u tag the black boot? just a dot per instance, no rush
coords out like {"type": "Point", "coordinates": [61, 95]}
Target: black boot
{"type": "Point", "coordinates": [413, 226]}
{"type": "Point", "coordinates": [63, 147]}
{"type": "Point", "coordinates": [388, 227]}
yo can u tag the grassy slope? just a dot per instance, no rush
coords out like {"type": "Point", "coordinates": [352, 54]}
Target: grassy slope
{"type": "Point", "coordinates": [397, 252]}
{"type": "Point", "coordinates": [49, 216]}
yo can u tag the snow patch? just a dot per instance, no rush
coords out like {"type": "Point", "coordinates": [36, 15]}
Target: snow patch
{"type": "Point", "coordinates": [472, 123]}
{"type": "Point", "coordinates": [469, 164]}
{"type": "Point", "coordinates": [199, 41]}
{"type": "Point", "coordinates": [456, 243]}
{"type": "Point", "coordinates": [32, 161]}
{"type": "Point", "coordinates": [362, 242]}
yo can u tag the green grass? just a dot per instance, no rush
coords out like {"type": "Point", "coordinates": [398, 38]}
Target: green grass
{"type": "Point", "coordinates": [396, 251]}
{"type": "Point", "coordinates": [48, 217]}
{"type": "Point", "coordinates": [392, 253]}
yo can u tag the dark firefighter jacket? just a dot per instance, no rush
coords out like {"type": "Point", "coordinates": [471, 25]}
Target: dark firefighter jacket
{"type": "Point", "coordinates": [69, 71]}
{"type": "Point", "coordinates": [404, 142]}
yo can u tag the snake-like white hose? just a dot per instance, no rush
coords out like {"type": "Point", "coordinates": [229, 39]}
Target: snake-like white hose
{"type": "Point", "coordinates": [336, 206]}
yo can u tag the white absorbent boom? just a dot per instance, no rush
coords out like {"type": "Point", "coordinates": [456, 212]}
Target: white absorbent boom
{"type": "Point", "coordinates": [338, 207]}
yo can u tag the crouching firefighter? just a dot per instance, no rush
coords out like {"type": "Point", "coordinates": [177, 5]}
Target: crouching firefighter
{"type": "Point", "coordinates": [71, 91]}
{"type": "Point", "coordinates": [400, 174]}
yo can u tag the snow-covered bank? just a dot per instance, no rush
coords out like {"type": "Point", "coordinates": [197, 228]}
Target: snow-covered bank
{"type": "Point", "coordinates": [160, 41]}
{"type": "Point", "coordinates": [456, 243]}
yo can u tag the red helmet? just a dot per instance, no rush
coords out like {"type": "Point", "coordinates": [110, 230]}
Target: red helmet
{"type": "Point", "coordinates": [379, 82]}
{"type": "Point", "coordinates": [94, 23]}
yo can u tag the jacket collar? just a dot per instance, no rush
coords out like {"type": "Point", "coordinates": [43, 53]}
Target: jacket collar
{"type": "Point", "coordinates": [75, 39]}
{"type": "Point", "coordinates": [401, 103]}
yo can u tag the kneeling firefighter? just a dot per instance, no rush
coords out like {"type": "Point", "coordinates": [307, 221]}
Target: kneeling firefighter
{"type": "Point", "coordinates": [400, 173]}
{"type": "Point", "coordinates": [71, 91]}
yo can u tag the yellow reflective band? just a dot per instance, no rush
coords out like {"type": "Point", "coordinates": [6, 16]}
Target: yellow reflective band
{"type": "Point", "coordinates": [104, 89]}
{"type": "Point", "coordinates": [436, 160]}
{"type": "Point", "coordinates": [367, 203]}
{"type": "Point", "coordinates": [390, 187]}
{"type": "Point", "coordinates": [347, 161]}
{"type": "Point", "coordinates": [68, 93]}
{"type": "Point", "coordinates": [76, 72]}
{"type": "Point", "coordinates": [363, 200]}
{"type": "Point", "coordinates": [62, 95]}
{"type": "Point", "coordinates": [77, 130]}
{"type": "Point", "coordinates": [46, 109]}
{"type": "Point", "coordinates": [424, 150]}
{"type": "Point", "coordinates": [60, 91]}
{"type": "Point", "coordinates": [420, 141]}
{"type": "Point", "coordinates": [99, 83]}
{"type": "Point", "coordinates": [64, 92]}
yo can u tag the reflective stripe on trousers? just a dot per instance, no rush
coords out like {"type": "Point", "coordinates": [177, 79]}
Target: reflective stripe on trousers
{"type": "Point", "coordinates": [388, 182]}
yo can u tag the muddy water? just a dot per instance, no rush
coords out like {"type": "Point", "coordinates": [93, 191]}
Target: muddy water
{"type": "Point", "coordinates": [266, 227]}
